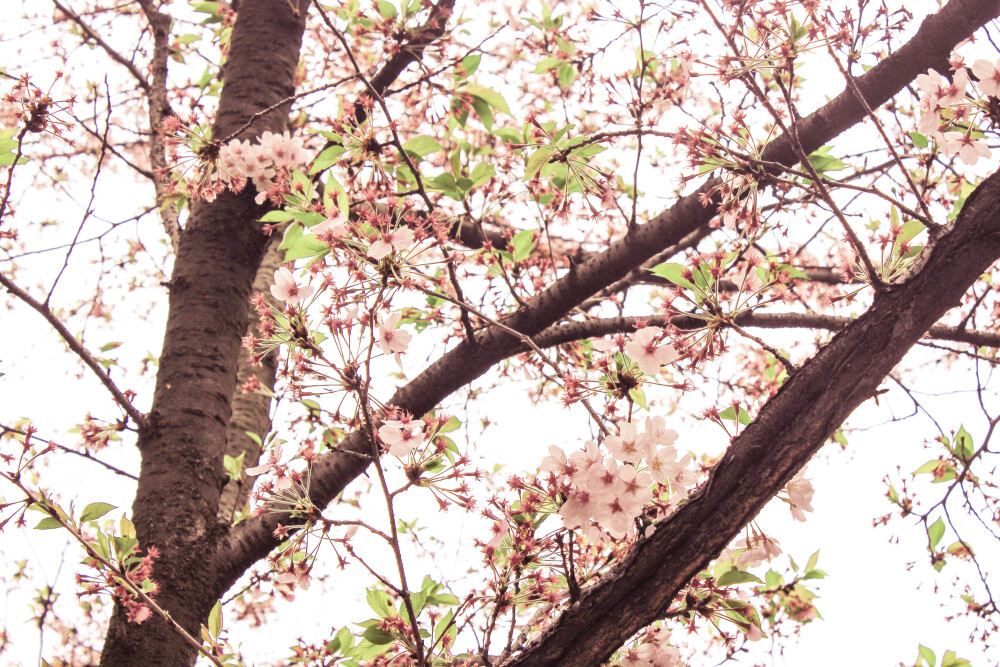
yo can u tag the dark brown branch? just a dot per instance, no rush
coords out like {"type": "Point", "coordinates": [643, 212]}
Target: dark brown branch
{"type": "Point", "coordinates": [330, 474]}
{"type": "Point", "coordinates": [567, 333]}
{"type": "Point", "coordinates": [789, 429]}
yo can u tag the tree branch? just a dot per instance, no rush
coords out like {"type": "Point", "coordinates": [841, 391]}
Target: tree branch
{"type": "Point", "coordinates": [78, 349]}
{"type": "Point", "coordinates": [567, 333]}
{"type": "Point", "coordinates": [931, 46]}
{"type": "Point", "coordinates": [789, 429]}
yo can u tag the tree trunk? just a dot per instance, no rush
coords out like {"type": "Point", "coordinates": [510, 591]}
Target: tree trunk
{"type": "Point", "coordinates": [181, 474]}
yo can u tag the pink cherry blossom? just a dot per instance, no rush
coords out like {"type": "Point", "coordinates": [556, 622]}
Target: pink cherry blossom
{"type": "Point", "coordinates": [401, 439]}
{"type": "Point", "coordinates": [989, 76]}
{"type": "Point", "coordinates": [800, 493]}
{"type": "Point", "coordinates": [557, 463]}
{"type": "Point", "coordinates": [286, 289]}
{"type": "Point", "coordinates": [629, 445]}
{"type": "Point", "coordinates": [662, 463]}
{"type": "Point", "coordinates": [761, 548]}
{"type": "Point", "coordinates": [335, 224]}
{"type": "Point", "coordinates": [968, 149]}
{"type": "Point", "coordinates": [942, 93]}
{"type": "Point", "coordinates": [399, 240]}
{"type": "Point", "coordinates": [499, 530]}
{"type": "Point", "coordinates": [285, 151]}
{"type": "Point", "coordinates": [656, 428]}
{"type": "Point", "coordinates": [392, 340]}
{"type": "Point", "coordinates": [273, 457]}
{"type": "Point", "coordinates": [578, 508]}
{"type": "Point", "coordinates": [643, 349]}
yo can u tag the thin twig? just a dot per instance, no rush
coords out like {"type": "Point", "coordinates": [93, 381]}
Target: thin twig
{"type": "Point", "coordinates": [78, 348]}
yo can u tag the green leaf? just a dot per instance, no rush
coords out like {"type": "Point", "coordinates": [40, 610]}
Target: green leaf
{"type": "Point", "coordinates": [484, 112]}
{"type": "Point", "coordinates": [964, 447]}
{"type": "Point", "coordinates": [935, 532]}
{"type": "Point", "coordinates": [488, 95]}
{"type": "Point", "coordinates": [482, 173]}
{"type": "Point", "coordinates": [378, 636]}
{"type": "Point", "coordinates": [949, 659]}
{"type": "Point", "coordinates": [735, 576]}
{"type": "Point", "coordinates": [638, 397]}
{"type": "Point", "coordinates": [233, 466]}
{"type": "Point", "coordinates": [386, 9]}
{"type": "Point", "coordinates": [545, 64]}
{"type": "Point", "coordinates": [523, 243]}
{"type": "Point", "coordinates": [452, 424]}
{"type": "Point", "coordinates": [107, 347]}
{"type": "Point", "coordinates": [470, 63]}
{"type": "Point", "coordinates": [730, 413]}
{"type": "Point", "coordinates": [327, 158]}
{"type": "Point", "coordinates": [919, 140]}
{"type": "Point", "coordinates": [95, 511]}
{"type": "Point", "coordinates": [206, 7]}
{"type": "Point", "coordinates": [910, 230]}
{"type": "Point", "coordinates": [537, 160]}
{"type": "Point", "coordinates": [566, 74]}
{"type": "Point", "coordinates": [444, 624]}
{"type": "Point", "coordinates": [422, 145]}
{"type": "Point", "coordinates": [821, 161]}
{"type": "Point", "coordinates": [48, 523]}
{"type": "Point", "coordinates": [811, 565]}
{"type": "Point", "coordinates": [215, 620]}
{"type": "Point", "coordinates": [380, 603]}
{"type": "Point", "coordinates": [674, 273]}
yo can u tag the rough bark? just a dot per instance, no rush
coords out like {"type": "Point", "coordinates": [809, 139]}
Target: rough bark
{"type": "Point", "coordinates": [930, 47]}
{"type": "Point", "coordinates": [790, 428]}
{"type": "Point", "coordinates": [251, 410]}
{"type": "Point", "coordinates": [181, 473]}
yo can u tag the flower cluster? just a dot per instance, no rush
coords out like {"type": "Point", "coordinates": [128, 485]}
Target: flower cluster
{"type": "Point", "coordinates": [267, 163]}
{"type": "Point", "coordinates": [940, 96]}
{"type": "Point", "coordinates": [402, 435]}
{"type": "Point", "coordinates": [645, 347]}
{"type": "Point", "coordinates": [606, 495]}
{"type": "Point", "coordinates": [654, 651]}
{"type": "Point", "coordinates": [260, 163]}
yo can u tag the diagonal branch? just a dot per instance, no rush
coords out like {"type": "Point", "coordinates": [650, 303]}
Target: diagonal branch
{"type": "Point", "coordinates": [330, 474]}
{"type": "Point", "coordinates": [78, 349]}
{"type": "Point", "coordinates": [789, 429]}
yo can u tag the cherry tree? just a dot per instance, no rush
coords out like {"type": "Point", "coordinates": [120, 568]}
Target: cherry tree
{"type": "Point", "coordinates": [364, 216]}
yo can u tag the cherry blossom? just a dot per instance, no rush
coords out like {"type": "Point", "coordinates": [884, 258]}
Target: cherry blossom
{"type": "Point", "coordinates": [282, 481]}
{"type": "Point", "coordinates": [335, 225]}
{"type": "Point", "coordinates": [989, 76]}
{"type": "Point", "coordinates": [628, 446]}
{"type": "Point", "coordinates": [500, 529]}
{"type": "Point", "coordinates": [643, 349]}
{"type": "Point", "coordinates": [942, 93]}
{"type": "Point", "coordinates": [760, 549]}
{"type": "Point", "coordinates": [968, 149]}
{"type": "Point", "coordinates": [800, 493]}
{"type": "Point", "coordinates": [399, 240]}
{"type": "Point", "coordinates": [392, 340]}
{"type": "Point", "coordinates": [402, 439]}
{"type": "Point", "coordinates": [273, 457]}
{"type": "Point", "coordinates": [286, 289]}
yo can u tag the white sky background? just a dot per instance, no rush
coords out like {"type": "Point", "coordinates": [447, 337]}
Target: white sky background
{"type": "Point", "coordinates": [875, 611]}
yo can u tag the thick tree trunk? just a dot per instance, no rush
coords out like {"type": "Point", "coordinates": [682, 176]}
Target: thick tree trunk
{"type": "Point", "coordinates": [220, 249]}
